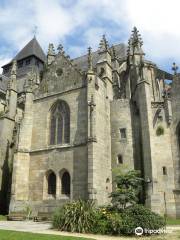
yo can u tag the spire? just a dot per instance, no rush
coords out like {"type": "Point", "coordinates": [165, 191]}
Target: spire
{"type": "Point", "coordinates": [60, 49]}
{"type": "Point", "coordinates": [103, 45]}
{"type": "Point", "coordinates": [51, 54]}
{"type": "Point", "coordinates": [113, 52]}
{"type": "Point", "coordinates": [14, 68]}
{"type": "Point", "coordinates": [90, 65]}
{"type": "Point", "coordinates": [12, 81]}
{"type": "Point", "coordinates": [135, 43]}
{"type": "Point", "coordinates": [11, 93]}
{"type": "Point", "coordinates": [32, 48]}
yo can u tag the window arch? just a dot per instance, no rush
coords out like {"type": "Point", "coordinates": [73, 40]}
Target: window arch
{"type": "Point", "coordinates": [60, 123]}
{"type": "Point", "coordinates": [65, 183]}
{"type": "Point", "coordinates": [51, 179]}
{"type": "Point", "coordinates": [119, 159]}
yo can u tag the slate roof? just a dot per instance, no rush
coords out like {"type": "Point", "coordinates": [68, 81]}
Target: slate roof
{"type": "Point", "coordinates": [3, 83]}
{"type": "Point", "coordinates": [33, 48]}
{"type": "Point", "coordinates": [82, 62]}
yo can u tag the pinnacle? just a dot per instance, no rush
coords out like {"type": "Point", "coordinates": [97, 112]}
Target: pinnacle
{"type": "Point", "coordinates": [14, 68]}
{"type": "Point", "coordinates": [103, 45]}
{"type": "Point", "coordinates": [60, 49]}
{"type": "Point", "coordinates": [135, 42]}
{"type": "Point", "coordinates": [136, 37]}
{"type": "Point", "coordinates": [90, 67]}
{"type": "Point", "coordinates": [113, 52]}
{"type": "Point", "coordinates": [51, 50]}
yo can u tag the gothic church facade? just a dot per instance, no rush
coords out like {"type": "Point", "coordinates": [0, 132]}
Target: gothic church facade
{"type": "Point", "coordinates": [65, 124]}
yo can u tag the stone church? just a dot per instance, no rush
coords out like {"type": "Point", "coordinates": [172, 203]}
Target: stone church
{"type": "Point", "coordinates": [66, 124]}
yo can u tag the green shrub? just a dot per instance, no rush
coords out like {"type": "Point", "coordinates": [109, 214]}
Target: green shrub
{"type": "Point", "coordinates": [107, 222]}
{"type": "Point", "coordinates": [75, 217]}
{"type": "Point", "coordinates": [140, 216]}
{"type": "Point", "coordinates": [82, 216]}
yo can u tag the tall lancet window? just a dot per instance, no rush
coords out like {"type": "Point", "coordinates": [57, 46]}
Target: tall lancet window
{"type": "Point", "coordinates": [60, 123]}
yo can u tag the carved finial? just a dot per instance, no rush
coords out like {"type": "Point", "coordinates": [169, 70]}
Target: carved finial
{"type": "Point", "coordinates": [174, 68]}
{"type": "Point", "coordinates": [103, 45]}
{"type": "Point", "coordinates": [113, 52]}
{"type": "Point", "coordinates": [90, 66]}
{"type": "Point", "coordinates": [51, 50]}
{"type": "Point", "coordinates": [60, 49]}
{"type": "Point", "coordinates": [14, 68]}
{"type": "Point", "coordinates": [135, 42]}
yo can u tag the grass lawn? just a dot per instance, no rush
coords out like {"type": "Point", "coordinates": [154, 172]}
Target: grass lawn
{"type": "Point", "coordinates": [3, 218]}
{"type": "Point", "coordinates": [173, 221]}
{"type": "Point", "coordinates": [12, 235]}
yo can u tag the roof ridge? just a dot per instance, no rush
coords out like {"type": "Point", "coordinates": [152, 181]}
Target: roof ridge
{"type": "Point", "coordinates": [97, 50]}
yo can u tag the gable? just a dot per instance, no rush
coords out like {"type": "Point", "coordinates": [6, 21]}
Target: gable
{"type": "Point", "coordinates": [61, 76]}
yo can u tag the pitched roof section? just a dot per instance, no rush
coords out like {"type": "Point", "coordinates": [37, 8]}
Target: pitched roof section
{"type": "Point", "coordinates": [3, 83]}
{"type": "Point", "coordinates": [82, 62]}
{"type": "Point", "coordinates": [32, 48]}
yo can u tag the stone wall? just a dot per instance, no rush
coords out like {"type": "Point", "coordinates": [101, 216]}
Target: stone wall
{"type": "Point", "coordinates": [102, 148]}
{"type": "Point", "coordinates": [121, 118]}
{"type": "Point", "coordinates": [175, 137]}
{"type": "Point", "coordinates": [43, 157]}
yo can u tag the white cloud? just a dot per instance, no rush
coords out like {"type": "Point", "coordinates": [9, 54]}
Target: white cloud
{"type": "Point", "coordinates": [157, 20]}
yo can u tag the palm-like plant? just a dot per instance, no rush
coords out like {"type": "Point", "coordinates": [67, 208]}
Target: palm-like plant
{"type": "Point", "coordinates": [128, 186]}
{"type": "Point", "coordinates": [75, 217]}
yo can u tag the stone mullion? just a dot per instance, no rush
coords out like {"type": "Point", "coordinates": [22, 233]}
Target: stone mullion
{"type": "Point", "coordinates": [56, 131]}
{"type": "Point", "coordinates": [63, 129]}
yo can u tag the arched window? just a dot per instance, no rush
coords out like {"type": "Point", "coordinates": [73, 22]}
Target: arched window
{"type": "Point", "coordinates": [65, 183]}
{"type": "Point", "coordinates": [119, 159]}
{"type": "Point", "coordinates": [60, 123]}
{"type": "Point", "coordinates": [51, 178]}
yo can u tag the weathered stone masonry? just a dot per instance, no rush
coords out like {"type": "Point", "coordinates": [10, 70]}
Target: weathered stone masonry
{"type": "Point", "coordinates": [66, 124]}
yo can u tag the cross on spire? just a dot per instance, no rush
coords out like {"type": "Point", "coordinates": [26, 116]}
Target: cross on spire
{"type": "Point", "coordinates": [35, 31]}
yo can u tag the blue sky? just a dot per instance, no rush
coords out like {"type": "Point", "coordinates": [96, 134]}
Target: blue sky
{"type": "Point", "coordinates": [78, 24]}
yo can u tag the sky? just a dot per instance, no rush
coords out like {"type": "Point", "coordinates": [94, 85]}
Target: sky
{"type": "Point", "coordinates": [78, 24]}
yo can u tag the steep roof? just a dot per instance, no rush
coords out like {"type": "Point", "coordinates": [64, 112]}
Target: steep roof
{"type": "Point", "coordinates": [3, 83]}
{"type": "Point", "coordinates": [32, 48]}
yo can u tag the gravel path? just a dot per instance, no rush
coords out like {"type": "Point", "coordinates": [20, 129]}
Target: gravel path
{"type": "Point", "coordinates": [45, 228]}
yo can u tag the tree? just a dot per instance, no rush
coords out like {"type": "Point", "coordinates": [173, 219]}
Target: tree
{"type": "Point", "coordinates": [128, 187]}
